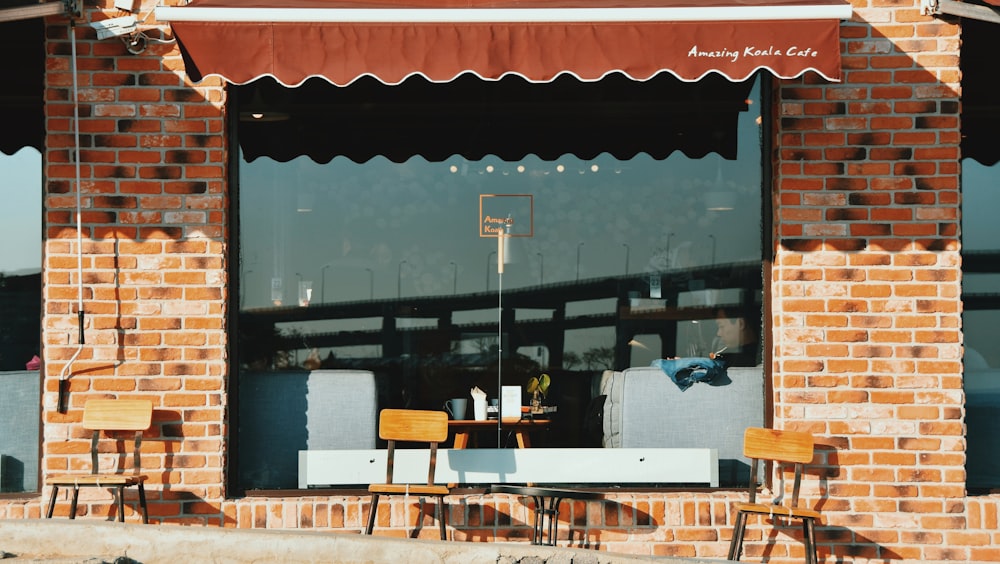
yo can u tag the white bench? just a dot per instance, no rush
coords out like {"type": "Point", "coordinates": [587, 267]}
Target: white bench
{"type": "Point", "coordinates": [323, 468]}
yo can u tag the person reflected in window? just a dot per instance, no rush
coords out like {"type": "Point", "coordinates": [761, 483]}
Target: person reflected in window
{"type": "Point", "coordinates": [739, 337]}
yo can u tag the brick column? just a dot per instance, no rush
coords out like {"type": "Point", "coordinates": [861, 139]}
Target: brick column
{"type": "Point", "coordinates": [866, 293]}
{"type": "Point", "coordinates": [154, 214]}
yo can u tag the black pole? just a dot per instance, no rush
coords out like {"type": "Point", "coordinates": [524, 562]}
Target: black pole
{"type": "Point", "coordinates": [79, 322]}
{"type": "Point", "coordinates": [63, 394]}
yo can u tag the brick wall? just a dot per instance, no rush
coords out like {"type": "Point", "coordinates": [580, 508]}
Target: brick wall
{"type": "Point", "coordinates": [865, 299]}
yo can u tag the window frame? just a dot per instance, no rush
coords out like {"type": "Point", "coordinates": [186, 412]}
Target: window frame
{"type": "Point", "coordinates": [768, 93]}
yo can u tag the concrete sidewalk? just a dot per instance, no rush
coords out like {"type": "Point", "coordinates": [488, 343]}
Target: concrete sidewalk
{"type": "Point", "coordinates": [64, 541]}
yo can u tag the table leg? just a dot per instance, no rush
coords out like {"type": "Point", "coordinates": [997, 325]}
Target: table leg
{"type": "Point", "coordinates": [545, 504]}
{"type": "Point", "coordinates": [522, 439]}
{"type": "Point", "coordinates": [539, 520]}
{"type": "Point", "coordinates": [553, 520]}
{"type": "Point", "coordinates": [542, 534]}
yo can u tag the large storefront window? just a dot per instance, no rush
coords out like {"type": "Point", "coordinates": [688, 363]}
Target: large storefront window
{"type": "Point", "coordinates": [21, 258]}
{"type": "Point", "coordinates": [980, 319]}
{"type": "Point", "coordinates": [980, 254]}
{"type": "Point", "coordinates": [20, 320]}
{"type": "Point", "coordinates": [638, 225]}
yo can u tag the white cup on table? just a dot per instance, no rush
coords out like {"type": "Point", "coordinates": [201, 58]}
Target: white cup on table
{"type": "Point", "coordinates": [479, 408]}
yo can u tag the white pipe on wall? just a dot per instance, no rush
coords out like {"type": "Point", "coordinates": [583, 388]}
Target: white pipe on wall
{"type": "Point", "coordinates": [64, 375]}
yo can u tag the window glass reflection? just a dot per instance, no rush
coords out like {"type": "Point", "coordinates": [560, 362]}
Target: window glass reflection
{"type": "Point", "coordinates": [383, 230]}
{"type": "Point", "coordinates": [980, 318]}
{"type": "Point", "coordinates": [379, 232]}
{"type": "Point", "coordinates": [378, 264]}
{"type": "Point", "coordinates": [20, 264]}
{"type": "Point", "coordinates": [20, 319]}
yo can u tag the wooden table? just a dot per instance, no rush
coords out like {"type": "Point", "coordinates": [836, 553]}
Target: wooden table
{"type": "Point", "coordinates": [463, 428]}
{"type": "Point", "coordinates": [543, 511]}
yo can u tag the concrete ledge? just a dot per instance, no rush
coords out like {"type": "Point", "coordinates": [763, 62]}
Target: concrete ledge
{"type": "Point", "coordinates": [96, 541]}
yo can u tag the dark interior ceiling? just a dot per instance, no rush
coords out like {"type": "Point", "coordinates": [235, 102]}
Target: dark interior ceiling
{"type": "Point", "coordinates": [980, 103]}
{"type": "Point", "coordinates": [21, 89]}
{"type": "Point", "coordinates": [509, 118]}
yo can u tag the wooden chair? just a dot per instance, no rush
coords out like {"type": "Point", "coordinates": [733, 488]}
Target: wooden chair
{"type": "Point", "coordinates": [781, 447]}
{"type": "Point", "coordinates": [108, 416]}
{"type": "Point", "coordinates": [411, 425]}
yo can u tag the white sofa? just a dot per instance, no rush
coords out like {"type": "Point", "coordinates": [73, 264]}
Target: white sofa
{"type": "Point", "coordinates": [282, 413]}
{"type": "Point", "coordinates": [644, 408]}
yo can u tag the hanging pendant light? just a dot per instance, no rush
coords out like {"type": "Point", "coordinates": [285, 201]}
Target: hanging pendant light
{"type": "Point", "coordinates": [720, 198]}
{"type": "Point", "coordinates": [258, 111]}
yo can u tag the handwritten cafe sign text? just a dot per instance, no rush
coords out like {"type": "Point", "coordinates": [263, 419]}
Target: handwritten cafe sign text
{"type": "Point", "coordinates": [752, 51]}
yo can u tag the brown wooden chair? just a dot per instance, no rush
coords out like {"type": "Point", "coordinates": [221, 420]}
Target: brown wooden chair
{"type": "Point", "coordinates": [780, 447]}
{"type": "Point", "coordinates": [107, 416]}
{"type": "Point", "coordinates": [411, 425]}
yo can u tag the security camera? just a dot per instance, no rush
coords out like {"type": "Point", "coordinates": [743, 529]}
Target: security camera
{"type": "Point", "coordinates": [115, 27]}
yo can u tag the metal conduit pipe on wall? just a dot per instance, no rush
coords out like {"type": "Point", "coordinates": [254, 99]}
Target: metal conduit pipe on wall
{"type": "Point", "coordinates": [64, 375]}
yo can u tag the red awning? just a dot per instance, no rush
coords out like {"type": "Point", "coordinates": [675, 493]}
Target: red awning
{"type": "Point", "coordinates": [342, 40]}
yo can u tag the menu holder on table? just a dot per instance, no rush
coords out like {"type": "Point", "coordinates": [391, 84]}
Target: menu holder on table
{"type": "Point", "coordinates": [510, 403]}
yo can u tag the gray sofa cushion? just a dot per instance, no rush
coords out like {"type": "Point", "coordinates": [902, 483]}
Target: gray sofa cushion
{"type": "Point", "coordinates": [644, 408]}
{"type": "Point", "coordinates": [20, 413]}
{"type": "Point", "coordinates": [282, 413]}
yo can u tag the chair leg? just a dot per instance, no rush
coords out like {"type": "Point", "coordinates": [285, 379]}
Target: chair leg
{"type": "Point", "coordinates": [142, 504]}
{"type": "Point", "coordinates": [371, 514]}
{"type": "Point", "coordinates": [52, 502]}
{"type": "Point", "coordinates": [736, 544]}
{"type": "Point", "coordinates": [120, 494]}
{"type": "Point", "coordinates": [809, 537]}
{"type": "Point", "coordinates": [72, 505]}
{"type": "Point", "coordinates": [440, 516]}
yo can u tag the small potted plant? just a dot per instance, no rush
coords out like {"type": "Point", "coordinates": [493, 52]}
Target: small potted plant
{"type": "Point", "coordinates": [538, 387]}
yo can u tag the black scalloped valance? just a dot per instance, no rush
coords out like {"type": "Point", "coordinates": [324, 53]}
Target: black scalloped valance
{"type": "Point", "coordinates": [23, 72]}
{"type": "Point", "coordinates": [980, 103]}
{"type": "Point", "coordinates": [472, 118]}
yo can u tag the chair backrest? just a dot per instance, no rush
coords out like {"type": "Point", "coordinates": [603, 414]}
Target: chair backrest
{"type": "Point", "coordinates": [778, 445]}
{"type": "Point", "coordinates": [775, 445]}
{"type": "Point", "coordinates": [412, 425]}
{"type": "Point", "coordinates": [117, 415]}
